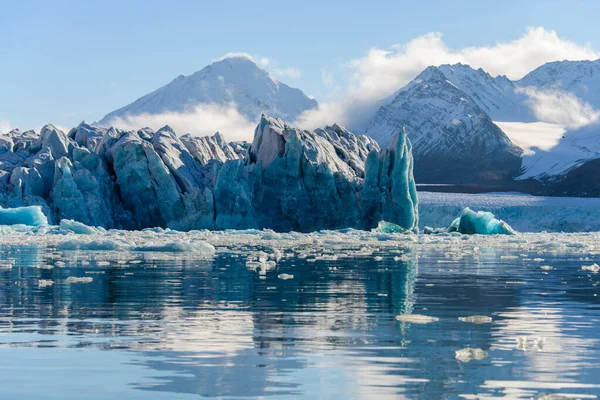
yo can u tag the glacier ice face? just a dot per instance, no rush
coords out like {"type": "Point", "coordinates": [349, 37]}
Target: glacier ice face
{"type": "Point", "coordinates": [480, 222]}
{"type": "Point", "coordinates": [300, 180]}
{"type": "Point", "coordinates": [287, 179]}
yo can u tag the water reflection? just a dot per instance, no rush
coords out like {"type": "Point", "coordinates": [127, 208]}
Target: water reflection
{"type": "Point", "coordinates": [215, 328]}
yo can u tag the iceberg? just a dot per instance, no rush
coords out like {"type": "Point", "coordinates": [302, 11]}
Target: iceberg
{"type": "Point", "coordinates": [68, 225]}
{"type": "Point", "coordinates": [32, 216]}
{"type": "Point", "coordinates": [388, 227]}
{"type": "Point", "coordinates": [480, 222]}
{"type": "Point", "coordinates": [287, 179]}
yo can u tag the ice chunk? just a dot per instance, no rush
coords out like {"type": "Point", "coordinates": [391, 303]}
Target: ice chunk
{"type": "Point", "coordinates": [480, 222]}
{"type": "Point", "coordinates": [285, 276]}
{"type": "Point", "coordinates": [416, 318]}
{"type": "Point", "coordinates": [476, 319]}
{"type": "Point", "coordinates": [68, 225]}
{"type": "Point", "coordinates": [45, 283]}
{"type": "Point", "coordinates": [31, 215]}
{"type": "Point", "coordinates": [469, 354]}
{"type": "Point", "coordinates": [388, 227]}
{"type": "Point", "coordinates": [74, 279]}
{"type": "Point", "coordinates": [178, 247]}
{"type": "Point", "coordinates": [93, 245]}
{"type": "Point", "coordinates": [594, 268]}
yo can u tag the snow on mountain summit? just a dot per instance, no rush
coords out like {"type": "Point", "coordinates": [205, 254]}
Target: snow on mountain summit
{"type": "Point", "coordinates": [580, 78]}
{"type": "Point", "coordinates": [497, 96]}
{"type": "Point", "coordinates": [232, 80]}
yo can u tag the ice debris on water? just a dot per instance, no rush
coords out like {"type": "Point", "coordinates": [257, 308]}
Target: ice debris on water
{"type": "Point", "coordinates": [74, 279]}
{"type": "Point", "coordinates": [546, 267]}
{"type": "Point", "coordinates": [530, 343]}
{"type": "Point", "coordinates": [476, 319]}
{"type": "Point", "coordinates": [470, 354]}
{"type": "Point", "coordinates": [178, 246]}
{"type": "Point", "coordinates": [480, 222]}
{"type": "Point", "coordinates": [68, 225]}
{"type": "Point", "coordinates": [416, 318]}
{"type": "Point", "coordinates": [285, 276]}
{"type": "Point", "coordinates": [594, 268]}
{"type": "Point", "coordinates": [45, 282]}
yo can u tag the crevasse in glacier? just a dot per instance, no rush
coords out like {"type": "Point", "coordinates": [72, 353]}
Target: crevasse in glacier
{"type": "Point", "coordinates": [287, 179]}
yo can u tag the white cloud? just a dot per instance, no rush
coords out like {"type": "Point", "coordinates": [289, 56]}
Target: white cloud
{"type": "Point", "coordinates": [202, 120]}
{"type": "Point", "coordinates": [4, 126]}
{"type": "Point", "coordinates": [270, 65]}
{"type": "Point", "coordinates": [533, 136]}
{"type": "Point", "coordinates": [383, 71]}
{"type": "Point", "coordinates": [234, 55]}
{"type": "Point", "coordinates": [559, 107]}
{"type": "Point", "coordinates": [326, 77]}
{"type": "Point", "coordinates": [293, 73]}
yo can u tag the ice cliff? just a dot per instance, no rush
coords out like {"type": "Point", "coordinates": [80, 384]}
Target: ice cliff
{"type": "Point", "coordinates": [287, 179]}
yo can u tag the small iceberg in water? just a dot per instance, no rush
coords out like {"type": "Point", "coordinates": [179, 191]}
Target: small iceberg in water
{"type": "Point", "coordinates": [480, 222]}
{"type": "Point", "coordinates": [32, 216]}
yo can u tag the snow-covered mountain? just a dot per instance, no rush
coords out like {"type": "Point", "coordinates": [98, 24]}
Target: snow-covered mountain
{"type": "Point", "coordinates": [454, 139]}
{"type": "Point", "coordinates": [581, 78]}
{"type": "Point", "coordinates": [442, 99]}
{"type": "Point", "coordinates": [234, 80]}
{"type": "Point", "coordinates": [496, 96]}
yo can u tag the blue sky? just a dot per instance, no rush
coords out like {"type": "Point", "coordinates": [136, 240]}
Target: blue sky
{"type": "Point", "coordinates": [67, 61]}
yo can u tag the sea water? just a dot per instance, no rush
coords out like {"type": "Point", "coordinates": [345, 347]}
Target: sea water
{"type": "Point", "coordinates": [326, 315]}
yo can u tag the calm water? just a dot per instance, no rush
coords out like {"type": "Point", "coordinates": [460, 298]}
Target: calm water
{"type": "Point", "coordinates": [169, 328]}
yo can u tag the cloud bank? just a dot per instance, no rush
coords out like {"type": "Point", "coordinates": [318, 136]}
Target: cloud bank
{"type": "Point", "coordinates": [202, 120]}
{"type": "Point", "coordinates": [4, 126]}
{"type": "Point", "coordinates": [381, 72]}
{"type": "Point", "coordinates": [559, 107]}
{"type": "Point", "coordinates": [268, 64]}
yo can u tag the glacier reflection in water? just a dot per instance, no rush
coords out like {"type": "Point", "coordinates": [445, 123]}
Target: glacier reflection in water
{"type": "Point", "coordinates": [156, 326]}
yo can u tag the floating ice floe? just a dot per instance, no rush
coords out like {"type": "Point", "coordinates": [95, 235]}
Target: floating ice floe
{"type": "Point", "coordinates": [74, 279]}
{"type": "Point", "coordinates": [45, 282]}
{"type": "Point", "coordinates": [469, 354]}
{"type": "Point", "coordinates": [530, 343]}
{"type": "Point", "coordinates": [476, 319]}
{"type": "Point", "coordinates": [416, 318]}
{"type": "Point", "coordinates": [68, 225]}
{"type": "Point", "coordinates": [178, 246]}
{"type": "Point", "coordinates": [285, 276]}
{"type": "Point", "coordinates": [594, 268]}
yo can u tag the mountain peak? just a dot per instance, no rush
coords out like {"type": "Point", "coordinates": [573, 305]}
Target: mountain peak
{"type": "Point", "coordinates": [235, 79]}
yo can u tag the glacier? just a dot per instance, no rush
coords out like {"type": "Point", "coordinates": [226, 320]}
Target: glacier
{"type": "Point", "coordinates": [287, 179]}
